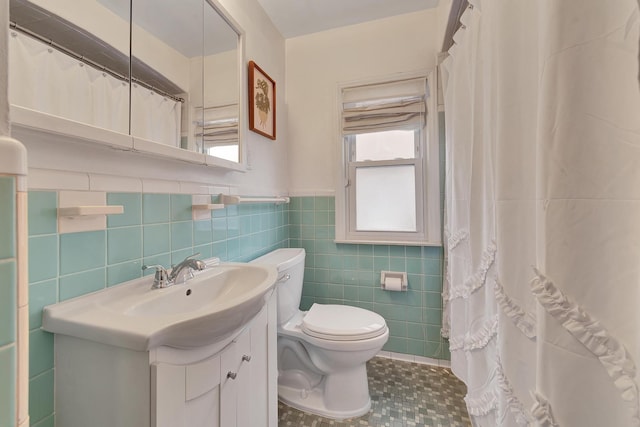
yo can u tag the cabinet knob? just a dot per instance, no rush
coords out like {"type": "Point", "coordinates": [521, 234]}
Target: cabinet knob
{"type": "Point", "coordinates": [232, 375]}
{"type": "Point", "coordinates": [246, 358]}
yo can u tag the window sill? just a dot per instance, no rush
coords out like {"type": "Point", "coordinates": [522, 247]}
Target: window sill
{"type": "Point", "coordinates": [388, 242]}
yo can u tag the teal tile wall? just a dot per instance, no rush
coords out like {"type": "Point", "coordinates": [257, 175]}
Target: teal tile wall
{"type": "Point", "coordinates": [154, 228]}
{"type": "Point", "coordinates": [350, 274]}
{"type": "Point", "coordinates": [8, 289]}
{"type": "Point", "coordinates": [158, 228]}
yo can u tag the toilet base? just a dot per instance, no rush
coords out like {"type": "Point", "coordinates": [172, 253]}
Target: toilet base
{"type": "Point", "coordinates": [339, 395]}
{"type": "Point", "coordinates": [314, 403]}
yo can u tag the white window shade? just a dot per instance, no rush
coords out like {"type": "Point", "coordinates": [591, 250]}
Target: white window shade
{"type": "Point", "coordinates": [219, 125]}
{"type": "Point", "coordinates": [370, 108]}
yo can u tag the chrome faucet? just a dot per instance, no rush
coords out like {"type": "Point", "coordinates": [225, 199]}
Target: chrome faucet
{"type": "Point", "coordinates": [189, 262]}
{"type": "Point", "coordinates": [164, 278]}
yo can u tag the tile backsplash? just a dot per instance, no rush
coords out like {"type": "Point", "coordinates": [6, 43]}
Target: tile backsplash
{"type": "Point", "coordinates": [350, 274]}
{"type": "Point", "coordinates": [154, 229]}
{"type": "Point", "coordinates": [159, 229]}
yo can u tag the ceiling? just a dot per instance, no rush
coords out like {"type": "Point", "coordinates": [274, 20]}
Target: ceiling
{"type": "Point", "coordinates": [298, 17]}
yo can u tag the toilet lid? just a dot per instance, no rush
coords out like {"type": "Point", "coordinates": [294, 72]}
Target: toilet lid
{"type": "Point", "coordinates": [342, 323]}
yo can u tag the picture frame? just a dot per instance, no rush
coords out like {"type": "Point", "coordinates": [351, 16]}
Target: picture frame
{"type": "Point", "coordinates": [262, 102]}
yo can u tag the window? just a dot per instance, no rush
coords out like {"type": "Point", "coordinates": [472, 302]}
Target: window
{"type": "Point", "coordinates": [388, 189]}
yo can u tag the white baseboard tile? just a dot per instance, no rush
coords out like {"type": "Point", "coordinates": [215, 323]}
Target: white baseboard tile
{"type": "Point", "coordinates": [403, 357]}
{"type": "Point", "coordinates": [445, 363]}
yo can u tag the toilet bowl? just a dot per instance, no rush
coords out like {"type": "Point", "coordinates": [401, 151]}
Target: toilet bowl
{"type": "Point", "coordinates": [322, 353]}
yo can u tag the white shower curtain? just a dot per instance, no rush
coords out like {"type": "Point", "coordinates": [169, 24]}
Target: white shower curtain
{"type": "Point", "coordinates": [542, 288]}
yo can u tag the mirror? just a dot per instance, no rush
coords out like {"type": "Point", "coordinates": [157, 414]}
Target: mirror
{"type": "Point", "coordinates": [67, 50]}
{"type": "Point", "coordinates": [184, 64]}
{"type": "Point", "coordinates": [221, 88]}
{"type": "Point", "coordinates": [190, 44]}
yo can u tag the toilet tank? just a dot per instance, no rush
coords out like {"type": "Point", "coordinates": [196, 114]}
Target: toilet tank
{"type": "Point", "coordinates": [290, 265]}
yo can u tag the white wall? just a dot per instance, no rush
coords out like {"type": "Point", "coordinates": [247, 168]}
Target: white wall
{"type": "Point", "coordinates": [443, 10]}
{"type": "Point", "coordinates": [268, 159]}
{"type": "Point", "coordinates": [265, 46]}
{"type": "Point", "coordinates": [317, 63]}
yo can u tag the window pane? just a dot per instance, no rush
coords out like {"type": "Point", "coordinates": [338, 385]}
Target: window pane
{"type": "Point", "coordinates": [227, 152]}
{"type": "Point", "coordinates": [388, 145]}
{"type": "Point", "coordinates": [385, 198]}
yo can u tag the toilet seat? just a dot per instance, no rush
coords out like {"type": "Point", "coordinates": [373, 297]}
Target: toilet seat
{"type": "Point", "coordinates": [342, 323]}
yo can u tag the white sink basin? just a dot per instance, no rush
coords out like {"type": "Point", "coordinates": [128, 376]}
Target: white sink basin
{"type": "Point", "coordinates": [213, 305]}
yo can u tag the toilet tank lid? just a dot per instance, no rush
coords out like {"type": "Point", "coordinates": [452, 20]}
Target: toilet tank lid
{"type": "Point", "coordinates": [283, 259]}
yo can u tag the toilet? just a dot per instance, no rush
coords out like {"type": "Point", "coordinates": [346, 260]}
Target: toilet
{"type": "Point", "coordinates": [322, 353]}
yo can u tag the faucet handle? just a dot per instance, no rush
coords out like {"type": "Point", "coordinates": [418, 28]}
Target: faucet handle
{"type": "Point", "coordinates": [158, 267]}
{"type": "Point", "coordinates": [161, 278]}
{"type": "Point", "coordinates": [184, 261]}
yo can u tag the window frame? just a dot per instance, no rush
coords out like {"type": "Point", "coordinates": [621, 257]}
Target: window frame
{"type": "Point", "coordinates": [427, 184]}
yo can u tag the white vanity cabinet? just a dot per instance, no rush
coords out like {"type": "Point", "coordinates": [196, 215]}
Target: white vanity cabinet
{"type": "Point", "coordinates": [229, 386]}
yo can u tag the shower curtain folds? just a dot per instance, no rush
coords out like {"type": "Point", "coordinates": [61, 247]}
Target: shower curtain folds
{"type": "Point", "coordinates": [542, 212]}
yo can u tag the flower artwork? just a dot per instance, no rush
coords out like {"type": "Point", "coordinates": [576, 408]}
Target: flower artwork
{"type": "Point", "coordinates": [262, 102]}
{"type": "Point", "coordinates": [262, 107]}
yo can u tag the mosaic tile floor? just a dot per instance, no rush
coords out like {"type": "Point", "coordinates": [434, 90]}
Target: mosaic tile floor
{"type": "Point", "coordinates": [403, 394]}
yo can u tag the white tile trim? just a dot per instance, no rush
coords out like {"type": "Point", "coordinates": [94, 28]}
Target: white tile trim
{"type": "Point", "coordinates": [122, 184]}
{"type": "Point", "coordinates": [47, 179]}
{"type": "Point", "coordinates": [22, 184]}
{"type": "Point", "coordinates": [22, 238]}
{"type": "Point", "coordinates": [160, 186]}
{"type": "Point", "coordinates": [22, 359]}
{"type": "Point", "coordinates": [215, 190]}
{"type": "Point", "coordinates": [193, 188]}
{"type": "Point", "coordinates": [55, 180]}
{"type": "Point", "coordinates": [312, 193]}
{"type": "Point", "coordinates": [13, 160]}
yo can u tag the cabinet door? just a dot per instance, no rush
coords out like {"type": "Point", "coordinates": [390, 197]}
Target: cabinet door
{"type": "Point", "coordinates": [228, 386]}
{"type": "Point", "coordinates": [203, 393]}
{"type": "Point", "coordinates": [246, 383]}
{"type": "Point", "coordinates": [243, 391]}
{"type": "Point", "coordinates": [256, 400]}
{"type": "Point", "coordinates": [186, 396]}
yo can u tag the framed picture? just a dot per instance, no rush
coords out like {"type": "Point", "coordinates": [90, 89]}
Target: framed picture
{"type": "Point", "coordinates": [262, 102]}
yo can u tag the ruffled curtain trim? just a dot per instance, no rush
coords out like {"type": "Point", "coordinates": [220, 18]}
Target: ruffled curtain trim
{"type": "Point", "coordinates": [454, 240]}
{"type": "Point", "coordinates": [526, 322]}
{"type": "Point", "coordinates": [541, 411]}
{"type": "Point", "coordinates": [446, 309]}
{"type": "Point", "coordinates": [477, 340]}
{"type": "Point", "coordinates": [478, 279]}
{"type": "Point", "coordinates": [514, 405]}
{"type": "Point", "coordinates": [481, 406]}
{"type": "Point", "coordinates": [593, 336]}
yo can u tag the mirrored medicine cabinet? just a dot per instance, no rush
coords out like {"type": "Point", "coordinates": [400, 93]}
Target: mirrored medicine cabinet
{"type": "Point", "coordinates": [161, 77]}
